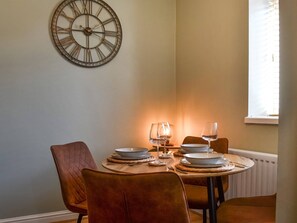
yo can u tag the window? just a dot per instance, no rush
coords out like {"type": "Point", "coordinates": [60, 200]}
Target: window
{"type": "Point", "coordinates": [263, 62]}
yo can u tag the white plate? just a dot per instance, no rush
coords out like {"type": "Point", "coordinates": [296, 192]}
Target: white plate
{"type": "Point", "coordinates": [131, 152]}
{"type": "Point", "coordinates": [198, 148]}
{"type": "Point", "coordinates": [188, 164]}
{"type": "Point", "coordinates": [119, 157]}
{"type": "Point", "coordinates": [204, 158]}
{"type": "Point", "coordinates": [202, 151]}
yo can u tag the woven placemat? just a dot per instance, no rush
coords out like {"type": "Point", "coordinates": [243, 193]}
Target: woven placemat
{"type": "Point", "coordinates": [114, 160]}
{"type": "Point", "coordinates": [226, 167]}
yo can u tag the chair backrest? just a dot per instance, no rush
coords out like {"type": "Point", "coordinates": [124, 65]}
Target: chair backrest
{"type": "Point", "coordinates": [137, 198]}
{"type": "Point", "coordinates": [220, 145]}
{"type": "Point", "coordinates": [70, 159]}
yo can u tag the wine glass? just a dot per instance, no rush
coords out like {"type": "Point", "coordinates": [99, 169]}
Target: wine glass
{"type": "Point", "coordinates": [210, 133]}
{"type": "Point", "coordinates": [158, 133]}
{"type": "Point", "coordinates": [165, 134]}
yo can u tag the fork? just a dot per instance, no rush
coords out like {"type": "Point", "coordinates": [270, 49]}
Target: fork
{"type": "Point", "coordinates": [240, 165]}
{"type": "Point", "coordinates": [176, 170]}
{"type": "Point", "coordinates": [133, 164]}
{"type": "Point", "coordinates": [170, 168]}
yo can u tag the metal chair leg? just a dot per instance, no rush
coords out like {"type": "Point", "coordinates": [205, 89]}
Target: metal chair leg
{"type": "Point", "coordinates": [80, 216]}
{"type": "Point", "coordinates": [204, 215]}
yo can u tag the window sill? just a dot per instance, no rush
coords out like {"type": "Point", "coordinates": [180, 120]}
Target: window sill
{"type": "Point", "coordinates": [262, 120]}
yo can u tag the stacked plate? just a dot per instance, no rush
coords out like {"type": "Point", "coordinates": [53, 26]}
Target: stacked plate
{"type": "Point", "coordinates": [204, 160]}
{"type": "Point", "coordinates": [194, 148]}
{"type": "Point", "coordinates": [131, 153]}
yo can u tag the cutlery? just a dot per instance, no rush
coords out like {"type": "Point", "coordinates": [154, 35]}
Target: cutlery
{"type": "Point", "coordinates": [177, 170]}
{"type": "Point", "coordinates": [170, 168]}
{"type": "Point", "coordinates": [181, 171]}
{"type": "Point", "coordinates": [240, 165]}
{"type": "Point", "coordinates": [133, 164]}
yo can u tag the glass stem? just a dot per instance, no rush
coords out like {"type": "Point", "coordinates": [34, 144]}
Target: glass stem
{"type": "Point", "coordinates": [208, 146]}
{"type": "Point", "coordinates": [157, 159]}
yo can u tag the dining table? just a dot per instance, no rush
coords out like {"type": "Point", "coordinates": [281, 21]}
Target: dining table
{"type": "Point", "coordinates": [173, 162]}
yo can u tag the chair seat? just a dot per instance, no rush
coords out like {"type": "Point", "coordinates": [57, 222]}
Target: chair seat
{"type": "Point", "coordinates": [79, 207]}
{"type": "Point", "coordinates": [260, 209]}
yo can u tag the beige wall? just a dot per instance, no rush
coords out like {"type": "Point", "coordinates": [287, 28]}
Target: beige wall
{"type": "Point", "coordinates": [287, 175]}
{"type": "Point", "coordinates": [212, 73]}
{"type": "Point", "coordinates": [46, 100]}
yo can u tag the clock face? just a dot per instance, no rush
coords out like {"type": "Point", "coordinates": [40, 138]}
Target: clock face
{"type": "Point", "coordinates": [88, 33]}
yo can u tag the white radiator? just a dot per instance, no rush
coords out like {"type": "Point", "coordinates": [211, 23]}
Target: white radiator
{"type": "Point", "coordinates": [261, 179]}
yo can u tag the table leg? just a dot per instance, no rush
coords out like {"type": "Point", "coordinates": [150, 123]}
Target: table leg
{"type": "Point", "coordinates": [220, 189]}
{"type": "Point", "coordinates": [211, 200]}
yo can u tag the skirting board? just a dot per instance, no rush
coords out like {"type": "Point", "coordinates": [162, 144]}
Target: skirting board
{"type": "Point", "coordinates": [42, 218]}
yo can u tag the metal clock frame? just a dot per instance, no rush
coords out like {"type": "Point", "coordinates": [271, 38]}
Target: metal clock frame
{"type": "Point", "coordinates": [85, 54]}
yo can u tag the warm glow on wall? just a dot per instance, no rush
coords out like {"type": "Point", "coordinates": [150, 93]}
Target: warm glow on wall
{"type": "Point", "coordinates": [186, 127]}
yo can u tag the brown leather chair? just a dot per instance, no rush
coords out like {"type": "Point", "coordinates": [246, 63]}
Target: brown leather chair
{"type": "Point", "coordinates": [196, 189]}
{"type": "Point", "coordinates": [70, 159]}
{"type": "Point", "coordinates": [260, 209]}
{"type": "Point", "coordinates": [147, 197]}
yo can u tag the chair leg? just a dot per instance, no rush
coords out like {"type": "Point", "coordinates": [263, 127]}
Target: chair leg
{"type": "Point", "coordinates": [80, 216]}
{"type": "Point", "coordinates": [204, 215]}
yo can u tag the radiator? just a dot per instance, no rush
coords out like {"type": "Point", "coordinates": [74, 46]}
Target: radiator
{"type": "Point", "coordinates": [261, 179]}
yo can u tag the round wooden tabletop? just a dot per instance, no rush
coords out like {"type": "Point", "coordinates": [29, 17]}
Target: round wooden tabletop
{"type": "Point", "coordinates": [235, 164]}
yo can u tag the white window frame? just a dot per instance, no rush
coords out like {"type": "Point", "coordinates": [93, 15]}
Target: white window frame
{"type": "Point", "coordinates": [263, 62]}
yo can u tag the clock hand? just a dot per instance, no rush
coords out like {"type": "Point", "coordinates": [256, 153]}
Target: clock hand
{"type": "Point", "coordinates": [97, 26]}
{"type": "Point", "coordinates": [88, 41]}
{"type": "Point", "coordinates": [83, 28]}
{"type": "Point", "coordinates": [107, 33]}
{"type": "Point", "coordinates": [87, 21]}
{"type": "Point", "coordinates": [97, 35]}
{"type": "Point", "coordinates": [98, 32]}
{"type": "Point", "coordinates": [87, 31]}
{"type": "Point", "coordinates": [77, 30]}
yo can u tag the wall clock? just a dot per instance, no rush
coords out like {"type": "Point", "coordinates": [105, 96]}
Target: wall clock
{"type": "Point", "coordinates": [88, 33]}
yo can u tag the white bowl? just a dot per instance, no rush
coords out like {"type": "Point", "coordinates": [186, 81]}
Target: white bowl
{"type": "Point", "coordinates": [204, 158]}
{"type": "Point", "coordinates": [195, 148]}
{"type": "Point", "coordinates": [131, 152]}
{"type": "Point", "coordinates": [199, 151]}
